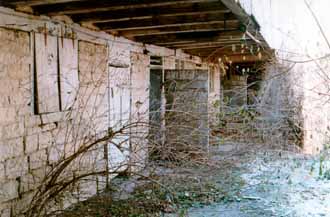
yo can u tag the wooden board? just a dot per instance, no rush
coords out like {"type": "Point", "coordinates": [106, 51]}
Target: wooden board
{"type": "Point", "coordinates": [186, 115]}
{"type": "Point", "coordinates": [46, 67]}
{"type": "Point", "coordinates": [68, 59]}
{"type": "Point", "coordinates": [119, 105]}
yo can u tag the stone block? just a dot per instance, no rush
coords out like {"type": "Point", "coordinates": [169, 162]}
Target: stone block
{"type": "Point", "coordinates": [9, 190]}
{"type": "Point", "coordinates": [5, 210]}
{"type": "Point", "coordinates": [8, 86]}
{"type": "Point", "coordinates": [2, 172]}
{"type": "Point", "coordinates": [28, 183]}
{"type": "Point", "coordinates": [56, 153]}
{"type": "Point", "coordinates": [36, 176]}
{"type": "Point", "coordinates": [53, 117]}
{"type": "Point", "coordinates": [11, 148]}
{"type": "Point", "coordinates": [16, 167]}
{"type": "Point", "coordinates": [46, 139]}
{"type": "Point", "coordinates": [38, 159]}
{"type": "Point", "coordinates": [31, 143]}
{"type": "Point", "coordinates": [8, 115]}
{"type": "Point", "coordinates": [32, 120]}
{"type": "Point", "coordinates": [13, 130]}
{"type": "Point", "coordinates": [48, 127]}
{"type": "Point", "coordinates": [33, 130]}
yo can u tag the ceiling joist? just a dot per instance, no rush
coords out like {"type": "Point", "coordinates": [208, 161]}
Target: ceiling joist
{"type": "Point", "coordinates": [188, 27]}
{"type": "Point", "coordinates": [207, 36]}
{"type": "Point", "coordinates": [36, 2]}
{"type": "Point", "coordinates": [220, 41]}
{"type": "Point", "coordinates": [207, 28]}
{"type": "Point", "coordinates": [89, 6]}
{"type": "Point", "coordinates": [159, 21]}
{"type": "Point", "coordinates": [211, 45]}
{"type": "Point", "coordinates": [140, 13]}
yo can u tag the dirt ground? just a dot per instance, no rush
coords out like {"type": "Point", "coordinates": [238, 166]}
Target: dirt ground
{"type": "Point", "coordinates": [276, 183]}
{"type": "Point", "coordinates": [241, 180]}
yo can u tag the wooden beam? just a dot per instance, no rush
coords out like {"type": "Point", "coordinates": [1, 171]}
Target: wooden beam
{"type": "Point", "coordinates": [181, 29]}
{"type": "Point", "coordinates": [174, 43]}
{"type": "Point", "coordinates": [212, 45]}
{"type": "Point", "coordinates": [89, 6]}
{"type": "Point", "coordinates": [229, 57]}
{"type": "Point", "coordinates": [143, 13]}
{"type": "Point", "coordinates": [198, 27]}
{"type": "Point", "coordinates": [236, 40]}
{"type": "Point", "coordinates": [162, 21]}
{"type": "Point", "coordinates": [249, 48]}
{"type": "Point", "coordinates": [201, 53]}
{"type": "Point", "coordinates": [185, 43]}
{"type": "Point", "coordinates": [222, 49]}
{"type": "Point", "coordinates": [207, 36]}
{"type": "Point", "coordinates": [244, 58]}
{"type": "Point", "coordinates": [136, 18]}
{"type": "Point", "coordinates": [241, 14]}
{"type": "Point", "coordinates": [152, 27]}
{"type": "Point", "coordinates": [36, 2]}
{"type": "Point", "coordinates": [209, 50]}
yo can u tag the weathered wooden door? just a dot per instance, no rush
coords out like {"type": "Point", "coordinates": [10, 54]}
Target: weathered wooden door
{"type": "Point", "coordinates": [140, 77]}
{"type": "Point", "coordinates": [119, 110]}
{"type": "Point", "coordinates": [155, 101]}
{"type": "Point", "coordinates": [186, 116]}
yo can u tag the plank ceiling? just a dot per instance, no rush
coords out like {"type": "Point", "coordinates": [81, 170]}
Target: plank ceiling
{"type": "Point", "coordinates": [206, 28]}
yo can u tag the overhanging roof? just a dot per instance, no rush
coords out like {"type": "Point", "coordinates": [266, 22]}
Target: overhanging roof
{"type": "Point", "coordinates": [206, 28]}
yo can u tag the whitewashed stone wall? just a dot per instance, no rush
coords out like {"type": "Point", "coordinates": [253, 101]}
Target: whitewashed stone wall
{"type": "Point", "coordinates": [214, 94]}
{"type": "Point", "coordinates": [16, 141]}
{"type": "Point", "coordinates": [301, 43]}
{"type": "Point", "coordinates": [31, 141]}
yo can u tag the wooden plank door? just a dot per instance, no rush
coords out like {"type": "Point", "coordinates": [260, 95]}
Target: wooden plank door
{"type": "Point", "coordinates": [119, 105]}
{"type": "Point", "coordinates": [186, 115]}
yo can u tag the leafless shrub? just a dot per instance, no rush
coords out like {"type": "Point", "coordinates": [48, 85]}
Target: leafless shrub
{"type": "Point", "coordinates": [87, 150]}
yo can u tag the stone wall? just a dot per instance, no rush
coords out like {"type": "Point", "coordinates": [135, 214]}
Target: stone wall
{"type": "Point", "coordinates": [299, 33]}
{"type": "Point", "coordinates": [280, 107]}
{"type": "Point", "coordinates": [214, 94]}
{"type": "Point", "coordinates": [17, 143]}
{"type": "Point", "coordinates": [235, 90]}
{"type": "Point", "coordinates": [46, 116]}
{"type": "Point", "coordinates": [33, 143]}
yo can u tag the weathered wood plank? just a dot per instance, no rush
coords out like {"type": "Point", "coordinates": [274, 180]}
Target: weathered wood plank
{"type": "Point", "coordinates": [138, 13]}
{"type": "Point", "coordinates": [89, 6]}
{"type": "Point", "coordinates": [159, 21]}
{"type": "Point", "coordinates": [199, 27]}
{"type": "Point", "coordinates": [244, 58]}
{"type": "Point", "coordinates": [206, 36]}
{"type": "Point", "coordinates": [235, 41]}
{"type": "Point", "coordinates": [36, 2]}
{"type": "Point", "coordinates": [210, 45]}
{"type": "Point", "coordinates": [68, 63]}
{"type": "Point", "coordinates": [47, 73]}
{"type": "Point", "coordinates": [241, 14]}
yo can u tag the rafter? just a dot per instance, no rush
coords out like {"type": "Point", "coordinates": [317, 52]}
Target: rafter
{"type": "Point", "coordinates": [162, 21]}
{"type": "Point", "coordinates": [37, 2]}
{"type": "Point", "coordinates": [89, 6]}
{"type": "Point", "coordinates": [237, 58]}
{"type": "Point", "coordinates": [207, 28]}
{"type": "Point", "coordinates": [142, 13]}
{"type": "Point", "coordinates": [207, 36]}
{"type": "Point", "coordinates": [186, 43]}
{"type": "Point", "coordinates": [236, 9]}
{"type": "Point", "coordinates": [221, 41]}
{"type": "Point", "coordinates": [211, 45]}
{"type": "Point", "coordinates": [219, 26]}
{"type": "Point", "coordinates": [199, 27]}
